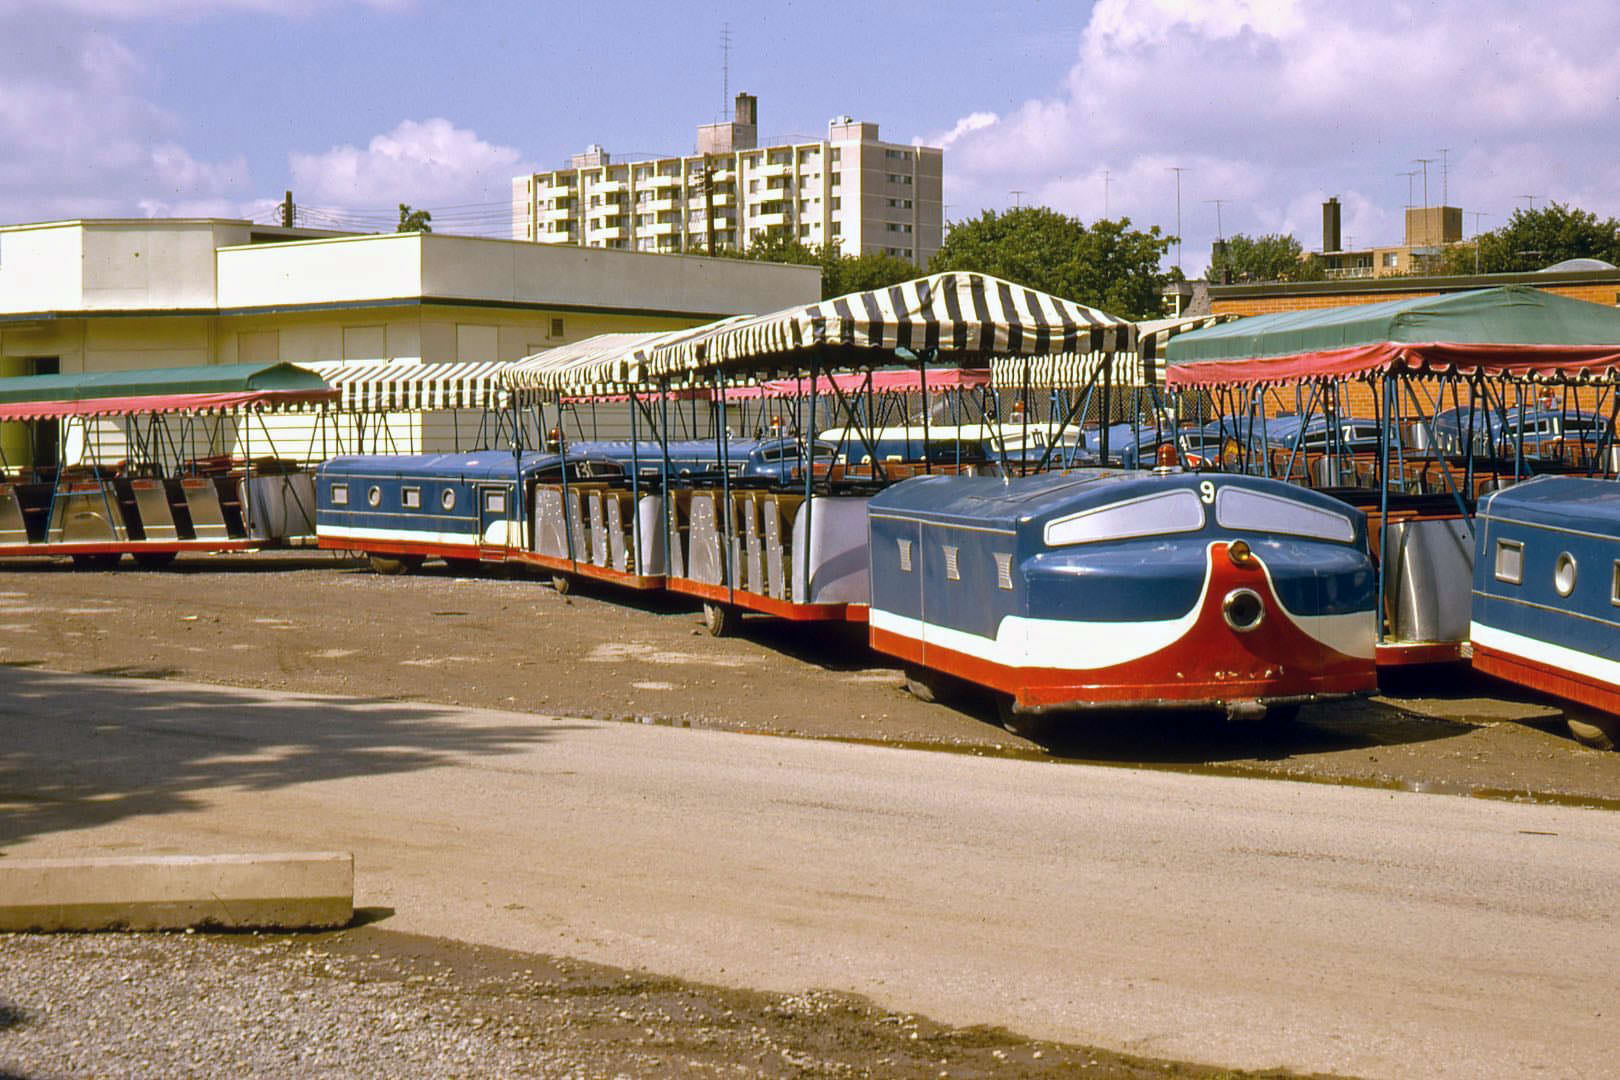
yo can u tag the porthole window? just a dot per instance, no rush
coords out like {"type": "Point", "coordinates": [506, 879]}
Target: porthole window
{"type": "Point", "coordinates": [1510, 561]}
{"type": "Point", "coordinates": [340, 496]}
{"type": "Point", "coordinates": [1564, 573]}
{"type": "Point", "coordinates": [447, 498]}
{"type": "Point", "coordinates": [410, 498]}
{"type": "Point", "coordinates": [374, 495]}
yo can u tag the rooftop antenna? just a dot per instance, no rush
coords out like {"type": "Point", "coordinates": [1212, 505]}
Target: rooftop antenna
{"type": "Point", "coordinates": [725, 72]}
{"type": "Point", "coordinates": [1409, 176]}
{"type": "Point", "coordinates": [1218, 204]}
{"type": "Point", "coordinates": [1531, 199]}
{"type": "Point", "coordinates": [1477, 215]}
{"type": "Point", "coordinates": [1107, 179]}
{"type": "Point", "coordinates": [1178, 170]}
{"type": "Point", "coordinates": [1445, 174]}
{"type": "Point", "coordinates": [1017, 194]}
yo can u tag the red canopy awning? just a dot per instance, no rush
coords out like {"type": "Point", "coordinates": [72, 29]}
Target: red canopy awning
{"type": "Point", "coordinates": [227, 401]}
{"type": "Point", "coordinates": [1558, 362]}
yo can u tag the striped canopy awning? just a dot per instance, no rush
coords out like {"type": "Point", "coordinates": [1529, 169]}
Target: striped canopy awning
{"type": "Point", "coordinates": [599, 365]}
{"type": "Point", "coordinates": [414, 385]}
{"type": "Point", "coordinates": [1138, 367]}
{"type": "Point", "coordinates": [956, 313]}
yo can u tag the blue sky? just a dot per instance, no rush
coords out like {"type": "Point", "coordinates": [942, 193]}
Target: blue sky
{"type": "Point", "coordinates": [132, 107]}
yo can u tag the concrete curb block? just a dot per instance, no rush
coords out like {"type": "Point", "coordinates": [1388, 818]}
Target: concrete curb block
{"type": "Point", "coordinates": [172, 892]}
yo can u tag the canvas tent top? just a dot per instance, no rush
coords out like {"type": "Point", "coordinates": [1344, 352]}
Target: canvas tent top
{"type": "Point", "coordinates": [1073, 370]}
{"type": "Point", "coordinates": [964, 315]}
{"type": "Point", "coordinates": [415, 386]}
{"type": "Point", "coordinates": [1509, 330]}
{"type": "Point", "coordinates": [197, 388]}
{"type": "Point", "coordinates": [603, 364]}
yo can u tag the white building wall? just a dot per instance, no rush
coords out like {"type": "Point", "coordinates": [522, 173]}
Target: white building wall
{"type": "Point", "coordinates": [382, 267]}
{"type": "Point", "coordinates": [40, 268]}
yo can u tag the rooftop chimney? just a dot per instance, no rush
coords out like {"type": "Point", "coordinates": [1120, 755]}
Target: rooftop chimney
{"type": "Point", "coordinates": [747, 110]}
{"type": "Point", "coordinates": [1330, 225]}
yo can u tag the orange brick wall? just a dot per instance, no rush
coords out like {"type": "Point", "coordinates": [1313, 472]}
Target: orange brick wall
{"type": "Point", "coordinates": [1605, 293]}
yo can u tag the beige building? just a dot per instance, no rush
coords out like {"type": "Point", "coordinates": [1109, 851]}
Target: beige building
{"type": "Point", "coordinates": [1429, 230]}
{"type": "Point", "coordinates": [80, 296]}
{"type": "Point", "coordinates": [850, 189]}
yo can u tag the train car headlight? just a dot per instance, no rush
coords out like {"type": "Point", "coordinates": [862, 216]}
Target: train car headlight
{"type": "Point", "coordinates": [1243, 610]}
{"type": "Point", "coordinates": [1239, 553]}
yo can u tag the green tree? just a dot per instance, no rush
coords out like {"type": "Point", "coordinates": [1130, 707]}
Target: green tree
{"type": "Point", "coordinates": [413, 220]}
{"type": "Point", "coordinates": [1532, 239]}
{"type": "Point", "coordinates": [1108, 265]}
{"type": "Point", "coordinates": [840, 273]}
{"type": "Point", "coordinates": [1273, 257]}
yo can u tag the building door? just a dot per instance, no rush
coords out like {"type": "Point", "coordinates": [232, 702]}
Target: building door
{"type": "Point", "coordinates": [35, 442]}
{"type": "Point", "coordinates": [494, 516]}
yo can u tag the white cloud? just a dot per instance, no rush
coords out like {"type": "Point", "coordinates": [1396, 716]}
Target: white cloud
{"type": "Point", "coordinates": [1273, 104]}
{"type": "Point", "coordinates": [419, 162]}
{"type": "Point", "coordinates": [80, 138]}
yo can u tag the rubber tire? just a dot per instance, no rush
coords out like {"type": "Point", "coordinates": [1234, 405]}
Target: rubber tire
{"type": "Point", "coordinates": [919, 685]}
{"type": "Point", "coordinates": [387, 565]}
{"type": "Point", "coordinates": [720, 620]}
{"type": "Point", "coordinates": [1590, 734]}
{"type": "Point", "coordinates": [1036, 727]}
{"type": "Point", "coordinates": [563, 583]}
{"type": "Point", "coordinates": [464, 567]}
{"type": "Point", "coordinates": [155, 560]}
{"type": "Point", "coordinates": [107, 561]}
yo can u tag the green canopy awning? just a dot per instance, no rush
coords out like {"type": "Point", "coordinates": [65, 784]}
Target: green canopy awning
{"type": "Point", "coordinates": [1513, 329]}
{"type": "Point", "coordinates": [175, 389]}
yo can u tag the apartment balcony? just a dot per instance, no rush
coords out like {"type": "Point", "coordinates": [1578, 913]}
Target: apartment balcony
{"type": "Point", "coordinates": [560, 213]}
{"type": "Point", "coordinates": [783, 168]}
{"type": "Point", "coordinates": [660, 228]}
{"type": "Point", "coordinates": [609, 187]}
{"type": "Point", "coordinates": [658, 206]}
{"type": "Point", "coordinates": [761, 221]}
{"type": "Point", "coordinates": [612, 232]}
{"type": "Point", "coordinates": [660, 181]}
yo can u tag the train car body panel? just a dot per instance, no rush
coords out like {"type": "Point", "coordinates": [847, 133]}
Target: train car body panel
{"type": "Point", "coordinates": [1100, 588]}
{"type": "Point", "coordinates": [1546, 596]}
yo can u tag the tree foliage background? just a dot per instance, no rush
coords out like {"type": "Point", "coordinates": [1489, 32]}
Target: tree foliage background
{"type": "Point", "coordinates": [1533, 239]}
{"type": "Point", "coordinates": [1108, 265]}
{"type": "Point", "coordinates": [413, 220]}
{"type": "Point", "coordinates": [840, 273]}
{"type": "Point", "coordinates": [1273, 257]}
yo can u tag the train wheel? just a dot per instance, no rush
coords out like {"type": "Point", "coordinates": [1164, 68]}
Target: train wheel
{"type": "Point", "coordinates": [562, 583]}
{"type": "Point", "coordinates": [387, 564]}
{"type": "Point", "coordinates": [1282, 714]}
{"type": "Point", "coordinates": [720, 619]}
{"type": "Point", "coordinates": [464, 567]}
{"type": "Point", "coordinates": [1036, 727]}
{"type": "Point", "coordinates": [1589, 734]}
{"type": "Point", "coordinates": [919, 685]}
{"type": "Point", "coordinates": [155, 560]}
{"type": "Point", "coordinates": [105, 561]}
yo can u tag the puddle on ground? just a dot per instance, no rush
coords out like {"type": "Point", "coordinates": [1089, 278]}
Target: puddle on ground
{"type": "Point", "coordinates": [334, 654]}
{"type": "Point", "coordinates": [16, 627]}
{"type": "Point", "coordinates": [87, 611]}
{"type": "Point", "coordinates": [433, 661]}
{"type": "Point", "coordinates": [652, 686]}
{"type": "Point", "coordinates": [610, 652]}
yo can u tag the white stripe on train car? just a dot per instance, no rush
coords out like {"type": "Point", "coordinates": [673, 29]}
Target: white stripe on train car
{"type": "Point", "coordinates": [1558, 658]}
{"type": "Point", "coordinates": [415, 536]}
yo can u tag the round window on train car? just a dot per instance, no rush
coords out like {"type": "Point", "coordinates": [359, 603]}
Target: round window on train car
{"type": "Point", "coordinates": [447, 498]}
{"type": "Point", "coordinates": [1564, 574]}
{"type": "Point", "coordinates": [1243, 610]}
{"type": "Point", "coordinates": [374, 495]}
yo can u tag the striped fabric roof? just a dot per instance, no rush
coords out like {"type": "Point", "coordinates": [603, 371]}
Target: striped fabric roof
{"type": "Point", "coordinates": [414, 386]}
{"type": "Point", "coordinates": [1073, 370]}
{"type": "Point", "coordinates": [603, 364]}
{"type": "Point", "coordinates": [953, 312]}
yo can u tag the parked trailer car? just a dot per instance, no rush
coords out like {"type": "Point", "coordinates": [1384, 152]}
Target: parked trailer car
{"type": "Point", "coordinates": [465, 508]}
{"type": "Point", "coordinates": [1546, 610]}
{"type": "Point", "coordinates": [1093, 588]}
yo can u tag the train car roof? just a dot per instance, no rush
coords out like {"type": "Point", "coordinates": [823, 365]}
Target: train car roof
{"type": "Point", "coordinates": [474, 464]}
{"type": "Point", "coordinates": [1031, 500]}
{"type": "Point", "coordinates": [1562, 502]}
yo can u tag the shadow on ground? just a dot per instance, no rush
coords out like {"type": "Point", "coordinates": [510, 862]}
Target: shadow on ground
{"type": "Point", "coordinates": [77, 751]}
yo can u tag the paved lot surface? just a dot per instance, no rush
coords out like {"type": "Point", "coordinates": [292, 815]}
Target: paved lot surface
{"type": "Point", "coordinates": [1176, 916]}
{"type": "Point", "coordinates": [313, 623]}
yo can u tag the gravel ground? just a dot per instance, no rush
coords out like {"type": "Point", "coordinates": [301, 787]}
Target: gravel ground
{"type": "Point", "coordinates": [370, 1003]}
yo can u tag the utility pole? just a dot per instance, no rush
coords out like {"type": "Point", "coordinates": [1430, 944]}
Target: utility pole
{"type": "Point", "coordinates": [1428, 240]}
{"type": "Point", "coordinates": [708, 202]}
{"type": "Point", "coordinates": [1178, 170]}
{"type": "Point", "coordinates": [1477, 215]}
{"type": "Point", "coordinates": [287, 211]}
